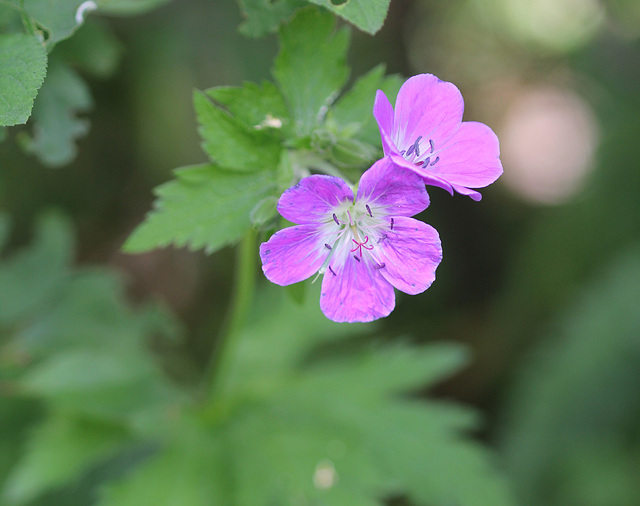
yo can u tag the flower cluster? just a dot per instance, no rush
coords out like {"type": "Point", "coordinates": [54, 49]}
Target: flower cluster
{"type": "Point", "coordinates": [366, 245]}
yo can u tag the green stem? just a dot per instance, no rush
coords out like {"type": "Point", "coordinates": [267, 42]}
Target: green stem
{"type": "Point", "coordinates": [26, 21]}
{"type": "Point", "coordinates": [241, 299]}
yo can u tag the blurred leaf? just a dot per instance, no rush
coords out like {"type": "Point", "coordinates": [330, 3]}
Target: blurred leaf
{"type": "Point", "coordinates": [55, 127]}
{"type": "Point", "coordinates": [265, 16]}
{"type": "Point", "coordinates": [230, 143]}
{"type": "Point", "coordinates": [94, 48]}
{"type": "Point", "coordinates": [57, 18]}
{"type": "Point", "coordinates": [5, 229]}
{"type": "Point", "coordinates": [128, 7]}
{"type": "Point", "coordinates": [204, 207]}
{"type": "Point", "coordinates": [256, 106]}
{"type": "Point", "coordinates": [23, 61]}
{"type": "Point", "coordinates": [290, 429]}
{"type": "Point", "coordinates": [353, 112]}
{"type": "Point", "coordinates": [264, 212]}
{"type": "Point", "coordinates": [311, 66]}
{"type": "Point", "coordinates": [368, 15]}
{"type": "Point", "coordinates": [30, 278]}
{"type": "Point", "coordinates": [59, 450]}
{"type": "Point", "coordinates": [578, 399]}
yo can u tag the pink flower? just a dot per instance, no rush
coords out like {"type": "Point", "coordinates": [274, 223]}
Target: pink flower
{"type": "Point", "coordinates": [363, 247]}
{"type": "Point", "coordinates": [426, 134]}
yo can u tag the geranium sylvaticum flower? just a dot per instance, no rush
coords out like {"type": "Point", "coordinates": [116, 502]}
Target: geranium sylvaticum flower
{"type": "Point", "coordinates": [425, 134]}
{"type": "Point", "coordinates": [362, 246]}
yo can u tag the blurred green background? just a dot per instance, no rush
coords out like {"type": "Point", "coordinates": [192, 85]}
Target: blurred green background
{"type": "Point", "coordinates": [541, 279]}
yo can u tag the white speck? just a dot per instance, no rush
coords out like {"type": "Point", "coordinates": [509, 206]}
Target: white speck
{"type": "Point", "coordinates": [269, 122]}
{"type": "Point", "coordinates": [325, 476]}
{"type": "Point", "coordinates": [84, 9]}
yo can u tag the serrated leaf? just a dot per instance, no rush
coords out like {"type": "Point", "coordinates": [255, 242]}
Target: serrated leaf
{"type": "Point", "coordinates": [55, 125]}
{"type": "Point", "coordinates": [59, 450]}
{"type": "Point", "coordinates": [204, 207]}
{"type": "Point", "coordinates": [23, 64]}
{"type": "Point", "coordinates": [265, 16]}
{"type": "Point", "coordinates": [256, 106]}
{"type": "Point", "coordinates": [230, 143]}
{"type": "Point", "coordinates": [368, 15]}
{"type": "Point", "coordinates": [311, 66]}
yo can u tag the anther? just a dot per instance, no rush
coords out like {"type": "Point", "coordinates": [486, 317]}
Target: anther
{"type": "Point", "coordinates": [419, 163]}
{"type": "Point", "coordinates": [410, 150]}
{"type": "Point", "coordinates": [379, 266]}
{"type": "Point", "coordinates": [354, 256]}
{"type": "Point", "coordinates": [427, 160]}
{"type": "Point", "coordinates": [417, 145]}
{"type": "Point", "coordinates": [391, 223]}
{"type": "Point", "coordinates": [431, 145]}
{"type": "Point", "coordinates": [368, 210]}
{"type": "Point", "coordinates": [384, 236]}
{"type": "Point", "coordinates": [435, 161]}
{"type": "Point", "coordinates": [332, 271]}
{"type": "Point", "coordinates": [327, 246]}
{"type": "Point", "coordinates": [335, 218]}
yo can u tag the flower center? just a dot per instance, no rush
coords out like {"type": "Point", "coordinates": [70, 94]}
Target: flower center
{"type": "Point", "coordinates": [421, 158]}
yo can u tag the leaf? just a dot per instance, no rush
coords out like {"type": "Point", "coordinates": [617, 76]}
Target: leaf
{"type": "Point", "coordinates": [573, 410]}
{"type": "Point", "coordinates": [368, 15]}
{"type": "Point", "coordinates": [23, 63]}
{"type": "Point", "coordinates": [256, 106]}
{"type": "Point", "coordinates": [265, 16]}
{"type": "Point", "coordinates": [55, 127]}
{"type": "Point", "coordinates": [5, 229]}
{"type": "Point", "coordinates": [29, 279]}
{"type": "Point", "coordinates": [231, 144]}
{"type": "Point", "coordinates": [311, 66]}
{"type": "Point", "coordinates": [353, 112]}
{"type": "Point", "coordinates": [128, 7]}
{"type": "Point", "coordinates": [59, 450]}
{"type": "Point", "coordinates": [57, 18]}
{"type": "Point", "coordinates": [204, 207]}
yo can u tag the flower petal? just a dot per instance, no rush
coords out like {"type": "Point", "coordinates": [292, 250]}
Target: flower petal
{"type": "Point", "coordinates": [470, 159]}
{"type": "Point", "coordinates": [383, 112]}
{"type": "Point", "coordinates": [355, 292]}
{"type": "Point", "coordinates": [427, 107]}
{"type": "Point", "coordinates": [411, 253]}
{"type": "Point", "coordinates": [293, 254]}
{"type": "Point", "coordinates": [392, 191]}
{"type": "Point", "coordinates": [313, 198]}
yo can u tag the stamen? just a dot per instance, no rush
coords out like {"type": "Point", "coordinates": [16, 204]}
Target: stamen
{"type": "Point", "coordinates": [403, 152]}
{"type": "Point", "coordinates": [431, 145]}
{"type": "Point", "coordinates": [379, 266]}
{"type": "Point", "coordinates": [335, 218]}
{"type": "Point", "coordinates": [435, 161]}
{"type": "Point", "coordinates": [327, 246]}
{"type": "Point", "coordinates": [417, 145]}
{"type": "Point", "coordinates": [354, 256]}
{"type": "Point", "coordinates": [384, 236]}
{"type": "Point", "coordinates": [427, 160]}
{"type": "Point", "coordinates": [391, 223]}
{"type": "Point", "coordinates": [350, 220]}
{"type": "Point", "coordinates": [332, 271]}
{"type": "Point", "coordinates": [419, 163]}
{"type": "Point", "coordinates": [368, 210]}
{"type": "Point", "coordinates": [410, 150]}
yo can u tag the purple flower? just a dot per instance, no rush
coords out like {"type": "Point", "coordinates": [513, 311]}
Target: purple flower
{"type": "Point", "coordinates": [426, 134]}
{"type": "Point", "coordinates": [364, 246]}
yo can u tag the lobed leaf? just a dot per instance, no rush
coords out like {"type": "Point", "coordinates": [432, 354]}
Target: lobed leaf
{"type": "Point", "coordinates": [265, 16]}
{"type": "Point", "coordinates": [311, 66]}
{"type": "Point", "coordinates": [23, 64]}
{"type": "Point", "coordinates": [368, 15]}
{"type": "Point", "coordinates": [204, 207]}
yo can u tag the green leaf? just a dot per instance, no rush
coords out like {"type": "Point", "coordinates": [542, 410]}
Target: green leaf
{"type": "Point", "coordinates": [5, 229]}
{"type": "Point", "coordinates": [30, 278]}
{"type": "Point", "coordinates": [311, 66]}
{"type": "Point", "coordinates": [59, 450]}
{"type": "Point", "coordinates": [353, 112]}
{"type": "Point", "coordinates": [128, 7]}
{"type": "Point", "coordinates": [56, 128]}
{"type": "Point", "coordinates": [368, 15]}
{"type": "Point", "coordinates": [265, 16]}
{"type": "Point", "coordinates": [230, 143]}
{"type": "Point", "coordinates": [23, 60]}
{"type": "Point", "coordinates": [256, 106]}
{"type": "Point", "coordinates": [204, 207]}
{"type": "Point", "coordinates": [57, 18]}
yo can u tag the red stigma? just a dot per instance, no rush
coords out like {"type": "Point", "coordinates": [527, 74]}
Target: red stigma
{"type": "Point", "coordinates": [360, 245]}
